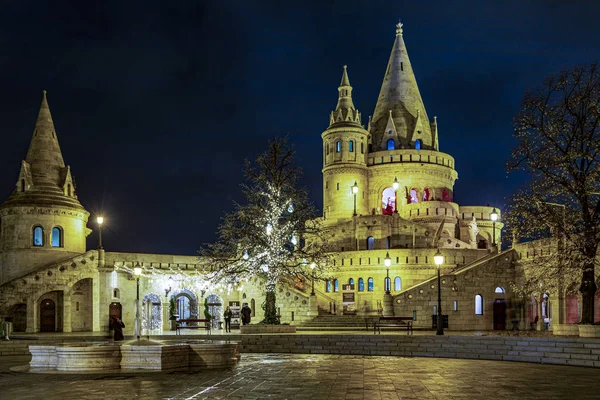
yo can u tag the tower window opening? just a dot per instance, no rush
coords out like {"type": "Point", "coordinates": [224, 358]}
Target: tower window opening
{"type": "Point", "coordinates": [327, 148]}
{"type": "Point", "coordinates": [351, 146]}
{"type": "Point", "coordinates": [362, 148]}
{"type": "Point", "coordinates": [22, 185]}
{"type": "Point", "coordinates": [370, 243]}
{"type": "Point", "coordinates": [391, 144]}
{"type": "Point", "coordinates": [38, 236]}
{"type": "Point", "coordinates": [338, 186]}
{"type": "Point", "coordinates": [418, 144]}
{"type": "Point", "coordinates": [390, 132]}
{"type": "Point", "coordinates": [69, 191]}
{"type": "Point", "coordinates": [388, 201]}
{"type": "Point", "coordinates": [338, 146]}
{"type": "Point", "coordinates": [57, 237]}
{"type": "Point", "coordinates": [401, 66]}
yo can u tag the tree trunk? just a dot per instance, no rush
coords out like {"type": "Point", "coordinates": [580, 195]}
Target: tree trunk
{"type": "Point", "coordinates": [588, 292]}
{"type": "Point", "coordinates": [269, 306]}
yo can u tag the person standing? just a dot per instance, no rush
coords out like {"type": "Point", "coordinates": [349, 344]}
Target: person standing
{"type": "Point", "coordinates": [246, 313]}
{"type": "Point", "coordinates": [118, 326]}
{"type": "Point", "coordinates": [227, 315]}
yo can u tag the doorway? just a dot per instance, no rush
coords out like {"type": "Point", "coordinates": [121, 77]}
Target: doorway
{"type": "Point", "coordinates": [114, 310]}
{"type": "Point", "coordinates": [499, 315]}
{"type": "Point", "coordinates": [47, 316]}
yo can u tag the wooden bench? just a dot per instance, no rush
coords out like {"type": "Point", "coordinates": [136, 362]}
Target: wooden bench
{"type": "Point", "coordinates": [179, 325]}
{"type": "Point", "coordinates": [402, 322]}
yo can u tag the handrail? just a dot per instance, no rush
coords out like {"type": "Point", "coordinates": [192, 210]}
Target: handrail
{"type": "Point", "coordinates": [317, 291]}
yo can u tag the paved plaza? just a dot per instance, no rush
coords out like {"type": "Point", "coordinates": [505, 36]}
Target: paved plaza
{"type": "Point", "coordinates": [278, 376]}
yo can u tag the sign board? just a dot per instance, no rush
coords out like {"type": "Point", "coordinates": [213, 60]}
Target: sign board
{"type": "Point", "coordinates": [348, 303]}
{"type": "Point", "coordinates": [234, 306]}
{"type": "Point", "coordinates": [348, 287]}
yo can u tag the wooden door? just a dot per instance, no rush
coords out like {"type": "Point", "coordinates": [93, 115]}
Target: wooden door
{"type": "Point", "coordinates": [47, 316]}
{"type": "Point", "coordinates": [499, 315]}
{"type": "Point", "coordinates": [114, 310]}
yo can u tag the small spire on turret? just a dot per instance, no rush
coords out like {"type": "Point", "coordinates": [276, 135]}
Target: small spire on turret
{"type": "Point", "coordinates": [345, 110]}
{"type": "Point", "coordinates": [345, 81]}
{"type": "Point", "coordinates": [399, 29]}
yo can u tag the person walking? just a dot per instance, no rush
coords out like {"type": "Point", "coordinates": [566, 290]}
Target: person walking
{"type": "Point", "coordinates": [246, 313]}
{"type": "Point", "coordinates": [118, 326]}
{"type": "Point", "coordinates": [227, 315]}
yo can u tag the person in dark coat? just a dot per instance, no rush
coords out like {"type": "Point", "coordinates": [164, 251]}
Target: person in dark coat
{"type": "Point", "coordinates": [227, 315]}
{"type": "Point", "coordinates": [118, 326]}
{"type": "Point", "coordinates": [246, 313]}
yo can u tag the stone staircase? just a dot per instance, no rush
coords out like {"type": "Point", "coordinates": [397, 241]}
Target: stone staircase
{"type": "Point", "coordinates": [334, 322]}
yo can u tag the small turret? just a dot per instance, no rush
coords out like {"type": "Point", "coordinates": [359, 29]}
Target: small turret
{"type": "Point", "coordinates": [345, 112]}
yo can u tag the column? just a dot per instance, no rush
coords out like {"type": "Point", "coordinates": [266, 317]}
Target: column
{"type": "Point", "coordinates": [66, 312]}
{"type": "Point", "coordinates": [388, 305]}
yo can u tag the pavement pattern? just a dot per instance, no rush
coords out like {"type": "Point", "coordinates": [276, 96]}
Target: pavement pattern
{"type": "Point", "coordinates": [314, 377]}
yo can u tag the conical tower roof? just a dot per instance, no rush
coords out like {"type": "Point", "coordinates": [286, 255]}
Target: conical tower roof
{"type": "Point", "coordinates": [44, 180]}
{"type": "Point", "coordinates": [44, 155]}
{"type": "Point", "coordinates": [400, 94]}
{"type": "Point", "coordinates": [345, 113]}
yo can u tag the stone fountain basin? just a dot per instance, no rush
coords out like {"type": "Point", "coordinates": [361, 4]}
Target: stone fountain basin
{"type": "Point", "coordinates": [212, 354]}
{"type": "Point", "coordinates": [76, 357]}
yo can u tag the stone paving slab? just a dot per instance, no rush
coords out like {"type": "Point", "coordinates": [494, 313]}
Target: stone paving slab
{"type": "Point", "coordinates": [314, 377]}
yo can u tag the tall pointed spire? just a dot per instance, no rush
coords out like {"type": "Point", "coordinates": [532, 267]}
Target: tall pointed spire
{"type": "Point", "coordinates": [345, 112]}
{"type": "Point", "coordinates": [400, 94]}
{"type": "Point", "coordinates": [44, 155]}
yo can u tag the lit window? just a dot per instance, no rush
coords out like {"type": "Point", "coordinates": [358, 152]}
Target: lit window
{"type": "Point", "coordinates": [336, 286]}
{"type": "Point", "coordinates": [351, 281]}
{"type": "Point", "coordinates": [370, 243]}
{"type": "Point", "coordinates": [328, 286]}
{"type": "Point", "coordinates": [56, 237]}
{"type": "Point", "coordinates": [38, 236]}
{"type": "Point", "coordinates": [351, 146]}
{"type": "Point", "coordinates": [361, 285]}
{"type": "Point", "coordinates": [455, 305]}
{"type": "Point", "coordinates": [397, 284]}
{"type": "Point", "coordinates": [391, 144]}
{"type": "Point", "coordinates": [414, 196]}
{"type": "Point", "coordinates": [418, 144]}
{"type": "Point", "coordinates": [114, 283]}
{"type": "Point", "coordinates": [499, 289]}
{"type": "Point", "coordinates": [338, 146]}
{"type": "Point", "coordinates": [478, 305]}
{"type": "Point", "coordinates": [370, 285]}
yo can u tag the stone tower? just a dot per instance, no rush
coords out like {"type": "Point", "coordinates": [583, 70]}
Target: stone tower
{"type": "Point", "coordinates": [42, 221]}
{"type": "Point", "coordinates": [345, 144]}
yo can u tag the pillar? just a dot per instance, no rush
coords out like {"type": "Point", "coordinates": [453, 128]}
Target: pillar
{"type": "Point", "coordinates": [388, 305]}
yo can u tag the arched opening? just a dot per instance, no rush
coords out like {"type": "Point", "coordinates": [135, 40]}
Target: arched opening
{"type": "Point", "coordinates": [47, 316]}
{"type": "Point", "coordinates": [327, 148]}
{"type": "Point", "coordinates": [361, 285]}
{"type": "Point", "coordinates": [57, 237]}
{"type": "Point", "coordinates": [499, 315]}
{"type": "Point", "coordinates": [81, 306]}
{"type": "Point", "coordinates": [572, 309]}
{"type": "Point", "coordinates": [397, 284]}
{"type": "Point", "coordinates": [478, 305]}
{"type": "Point", "coordinates": [370, 243]}
{"type": "Point", "coordinates": [215, 308]}
{"type": "Point", "coordinates": [426, 194]}
{"type": "Point", "coordinates": [252, 308]}
{"type": "Point", "coordinates": [338, 146]}
{"type": "Point", "coordinates": [388, 201]}
{"type": "Point", "coordinates": [391, 145]}
{"type": "Point", "coordinates": [38, 236]}
{"type": "Point", "coordinates": [186, 304]}
{"type": "Point", "coordinates": [370, 286]}
{"type": "Point", "coordinates": [114, 310]}
{"type": "Point", "coordinates": [499, 290]}
{"type": "Point", "coordinates": [351, 281]}
{"type": "Point", "coordinates": [414, 195]}
{"type": "Point", "coordinates": [336, 286]}
{"type": "Point", "coordinates": [418, 144]}
{"type": "Point", "coordinates": [328, 286]}
{"type": "Point", "coordinates": [152, 313]}
{"type": "Point", "coordinates": [351, 146]}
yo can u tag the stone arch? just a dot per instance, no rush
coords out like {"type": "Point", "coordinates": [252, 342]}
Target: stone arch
{"type": "Point", "coordinates": [189, 307]}
{"type": "Point", "coordinates": [151, 312]}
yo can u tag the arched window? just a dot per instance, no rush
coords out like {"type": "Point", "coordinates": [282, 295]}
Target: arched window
{"type": "Point", "coordinates": [38, 236]}
{"type": "Point", "coordinates": [370, 243]}
{"type": "Point", "coordinates": [253, 307]}
{"type": "Point", "coordinates": [351, 281]}
{"type": "Point", "coordinates": [328, 286]}
{"type": "Point", "coordinates": [426, 194]}
{"type": "Point", "coordinates": [370, 285]}
{"type": "Point", "coordinates": [361, 285]}
{"type": "Point", "coordinates": [338, 146]}
{"type": "Point", "coordinates": [418, 144]}
{"type": "Point", "coordinates": [326, 148]}
{"type": "Point", "coordinates": [56, 237]}
{"type": "Point", "coordinates": [478, 305]}
{"type": "Point", "coordinates": [388, 201]}
{"type": "Point", "coordinates": [391, 145]}
{"type": "Point", "coordinates": [336, 286]}
{"type": "Point", "coordinates": [499, 289]}
{"type": "Point", "coordinates": [351, 146]}
{"type": "Point", "coordinates": [362, 148]}
{"type": "Point", "coordinates": [414, 195]}
{"type": "Point", "coordinates": [397, 284]}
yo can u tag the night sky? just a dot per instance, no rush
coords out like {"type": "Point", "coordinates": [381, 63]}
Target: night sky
{"type": "Point", "coordinates": [157, 106]}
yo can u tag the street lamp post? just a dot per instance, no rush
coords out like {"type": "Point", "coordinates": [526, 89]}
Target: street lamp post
{"type": "Point", "coordinates": [395, 185]}
{"type": "Point", "coordinates": [100, 221]}
{"type": "Point", "coordinates": [387, 261]}
{"type": "Point", "coordinates": [354, 192]}
{"type": "Point", "coordinates": [494, 217]}
{"type": "Point", "coordinates": [312, 268]}
{"type": "Point", "coordinates": [438, 259]}
{"type": "Point", "coordinates": [137, 271]}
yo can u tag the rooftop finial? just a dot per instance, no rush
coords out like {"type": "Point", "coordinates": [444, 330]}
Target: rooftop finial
{"type": "Point", "coordinates": [399, 26]}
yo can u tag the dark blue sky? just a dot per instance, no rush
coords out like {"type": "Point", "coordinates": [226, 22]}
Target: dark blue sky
{"type": "Point", "coordinates": [157, 106]}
